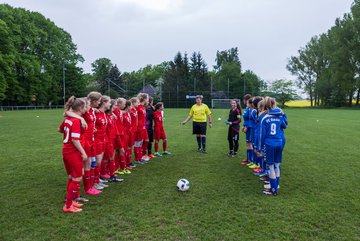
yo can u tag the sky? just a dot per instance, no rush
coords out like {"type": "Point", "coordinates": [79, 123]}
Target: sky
{"type": "Point", "coordinates": [135, 33]}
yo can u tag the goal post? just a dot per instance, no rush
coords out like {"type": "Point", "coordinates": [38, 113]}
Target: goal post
{"type": "Point", "coordinates": [221, 103]}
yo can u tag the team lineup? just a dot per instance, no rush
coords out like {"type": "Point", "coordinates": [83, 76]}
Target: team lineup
{"type": "Point", "coordinates": [101, 136]}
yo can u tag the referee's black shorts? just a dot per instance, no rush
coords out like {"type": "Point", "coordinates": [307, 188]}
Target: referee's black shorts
{"type": "Point", "coordinates": [199, 128]}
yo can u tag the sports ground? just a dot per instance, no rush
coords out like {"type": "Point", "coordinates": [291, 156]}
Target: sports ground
{"type": "Point", "coordinates": [318, 198]}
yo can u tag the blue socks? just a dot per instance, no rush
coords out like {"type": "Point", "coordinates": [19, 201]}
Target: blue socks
{"type": "Point", "coordinates": [273, 185]}
{"type": "Point", "coordinates": [198, 139]}
{"type": "Point", "coordinates": [203, 140]}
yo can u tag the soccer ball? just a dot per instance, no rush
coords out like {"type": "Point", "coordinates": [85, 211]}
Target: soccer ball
{"type": "Point", "coordinates": [183, 185]}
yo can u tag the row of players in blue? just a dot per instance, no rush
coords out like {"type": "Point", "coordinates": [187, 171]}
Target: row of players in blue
{"type": "Point", "coordinates": [264, 125]}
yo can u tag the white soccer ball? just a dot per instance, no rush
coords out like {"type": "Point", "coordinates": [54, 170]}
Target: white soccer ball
{"type": "Point", "coordinates": [219, 119]}
{"type": "Point", "coordinates": [183, 185]}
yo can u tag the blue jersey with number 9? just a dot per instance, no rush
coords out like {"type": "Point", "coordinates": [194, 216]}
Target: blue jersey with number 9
{"type": "Point", "coordinates": [271, 130]}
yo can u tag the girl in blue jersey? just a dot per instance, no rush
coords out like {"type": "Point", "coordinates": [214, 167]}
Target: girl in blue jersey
{"type": "Point", "coordinates": [254, 116]}
{"type": "Point", "coordinates": [262, 112]}
{"type": "Point", "coordinates": [271, 144]}
{"type": "Point", "coordinates": [246, 129]}
{"type": "Point", "coordinates": [234, 127]}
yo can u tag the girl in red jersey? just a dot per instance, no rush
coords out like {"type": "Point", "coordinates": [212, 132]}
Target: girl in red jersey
{"type": "Point", "coordinates": [127, 134]}
{"type": "Point", "coordinates": [134, 123]}
{"type": "Point", "coordinates": [93, 101]}
{"type": "Point", "coordinates": [73, 153]}
{"type": "Point", "coordinates": [119, 146]}
{"type": "Point", "coordinates": [141, 136]}
{"type": "Point", "coordinates": [108, 166]}
{"type": "Point", "coordinates": [159, 132]}
{"type": "Point", "coordinates": [99, 137]}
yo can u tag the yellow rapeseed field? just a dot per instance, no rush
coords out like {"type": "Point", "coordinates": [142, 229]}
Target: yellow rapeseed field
{"type": "Point", "coordinates": [298, 103]}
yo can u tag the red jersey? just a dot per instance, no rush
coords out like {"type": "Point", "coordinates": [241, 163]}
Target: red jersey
{"type": "Point", "coordinates": [71, 127]}
{"type": "Point", "coordinates": [141, 117]}
{"type": "Point", "coordinates": [158, 119]}
{"type": "Point", "coordinates": [119, 122]}
{"type": "Point", "coordinates": [134, 119]}
{"type": "Point", "coordinates": [100, 125]}
{"type": "Point", "coordinates": [110, 129]}
{"type": "Point", "coordinates": [90, 119]}
{"type": "Point", "coordinates": [127, 122]}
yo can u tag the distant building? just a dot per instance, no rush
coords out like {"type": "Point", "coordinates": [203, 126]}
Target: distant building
{"type": "Point", "coordinates": [150, 90]}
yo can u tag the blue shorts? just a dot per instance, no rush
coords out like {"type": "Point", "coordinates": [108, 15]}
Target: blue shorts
{"type": "Point", "coordinates": [248, 135]}
{"type": "Point", "coordinates": [272, 154]}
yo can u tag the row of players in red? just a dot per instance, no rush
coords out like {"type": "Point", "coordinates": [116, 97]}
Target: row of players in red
{"type": "Point", "coordinates": [100, 135]}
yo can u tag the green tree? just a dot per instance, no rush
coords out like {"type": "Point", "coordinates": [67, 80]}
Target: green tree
{"type": "Point", "coordinates": [283, 91]}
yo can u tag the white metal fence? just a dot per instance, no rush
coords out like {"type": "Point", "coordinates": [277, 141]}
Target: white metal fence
{"type": "Point", "coordinates": [41, 107]}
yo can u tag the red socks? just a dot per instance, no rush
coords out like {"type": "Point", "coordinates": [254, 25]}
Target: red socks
{"type": "Point", "coordinates": [72, 193]}
{"type": "Point", "coordinates": [144, 147]}
{"type": "Point", "coordinates": [97, 174]}
{"type": "Point", "coordinates": [164, 145]}
{"type": "Point", "coordinates": [122, 162]}
{"type": "Point", "coordinates": [156, 146]}
{"type": "Point", "coordinates": [112, 167]}
{"type": "Point", "coordinates": [86, 180]}
{"type": "Point", "coordinates": [92, 177]}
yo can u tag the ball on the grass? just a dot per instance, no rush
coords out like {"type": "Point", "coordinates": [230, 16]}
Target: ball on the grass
{"type": "Point", "coordinates": [219, 119]}
{"type": "Point", "coordinates": [183, 185]}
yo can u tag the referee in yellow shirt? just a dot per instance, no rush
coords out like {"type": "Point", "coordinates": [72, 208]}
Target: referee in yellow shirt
{"type": "Point", "coordinates": [199, 112]}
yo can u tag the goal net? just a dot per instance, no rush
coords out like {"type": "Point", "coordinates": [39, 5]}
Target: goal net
{"type": "Point", "coordinates": [221, 103]}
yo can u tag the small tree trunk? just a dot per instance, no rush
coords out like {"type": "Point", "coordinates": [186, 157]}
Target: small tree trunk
{"type": "Point", "coordinates": [350, 98]}
{"type": "Point", "coordinates": [358, 97]}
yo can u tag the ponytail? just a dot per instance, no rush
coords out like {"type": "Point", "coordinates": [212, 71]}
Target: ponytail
{"type": "Point", "coordinates": [74, 103]}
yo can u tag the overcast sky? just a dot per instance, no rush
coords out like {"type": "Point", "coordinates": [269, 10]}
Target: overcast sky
{"type": "Point", "coordinates": [134, 33]}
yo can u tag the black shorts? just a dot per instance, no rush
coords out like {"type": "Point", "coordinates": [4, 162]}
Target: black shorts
{"type": "Point", "coordinates": [199, 128]}
{"type": "Point", "coordinates": [233, 134]}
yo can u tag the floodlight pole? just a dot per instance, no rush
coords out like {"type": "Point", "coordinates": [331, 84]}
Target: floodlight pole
{"type": "Point", "coordinates": [228, 88]}
{"type": "Point", "coordinates": [64, 84]}
{"type": "Point", "coordinates": [108, 79]}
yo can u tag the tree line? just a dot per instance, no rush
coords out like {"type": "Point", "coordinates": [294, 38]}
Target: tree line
{"type": "Point", "coordinates": [328, 67]}
{"type": "Point", "coordinates": [38, 59]}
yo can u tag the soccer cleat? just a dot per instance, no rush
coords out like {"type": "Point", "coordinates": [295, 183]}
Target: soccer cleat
{"type": "Point", "coordinates": [166, 153]}
{"type": "Point", "coordinates": [157, 154]}
{"type": "Point", "coordinates": [264, 179]}
{"type": "Point", "coordinates": [145, 158]}
{"type": "Point", "coordinates": [81, 199]}
{"type": "Point", "coordinates": [77, 205]}
{"type": "Point", "coordinates": [71, 209]}
{"type": "Point", "coordinates": [132, 165]}
{"type": "Point", "coordinates": [152, 156]}
{"type": "Point", "coordinates": [127, 171]}
{"type": "Point", "coordinates": [103, 180]}
{"type": "Point", "coordinates": [139, 162]}
{"type": "Point", "coordinates": [199, 150]}
{"type": "Point", "coordinates": [253, 166]}
{"type": "Point", "coordinates": [121, 172]}
{"type": "Point", "coordinates": [267, 186]}
{"type": "Point", "coordinates": [257, 170]}
{"type": "Point", "coordinates": [129, 168]}
{"type": "Point", "coordinates": [249, 164]}
{"type": "Point", "coordinates": [230, 153]}
{"type": "Point", "coordinates": [244, 162]}
{"type": "Point", "coordinates": [267, 192]}
{"type": "Point", "coordinates": [103, 185]}
{"type": "Point", "coordinates": [204, 151]}
{"type": "Point", "coordinates": [98, 186]}
{"type": "Point", "coordinates": [114, 179]}
{"type": "Point", "coordinates": [93, 191]}
{"type": "Point", "coordinates": [106, 176]}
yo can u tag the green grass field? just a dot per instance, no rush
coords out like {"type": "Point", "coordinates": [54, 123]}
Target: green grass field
{"type": "Point", "coordinates": [319, 198]}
